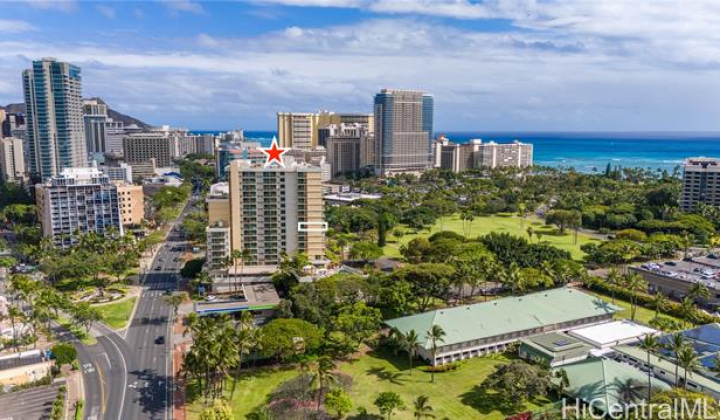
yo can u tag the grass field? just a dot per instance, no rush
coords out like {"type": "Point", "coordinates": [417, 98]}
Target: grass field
{"type": "Point", "coordinates": [454, 395]}
{"type": "Point", "coordinates": [250, 391]}
{"type": "Point", "coordinates": [117, 315]}
{"type": "Point", "coordinates": [77, 331]}
{"type": "Point", "coordinates": [483, 225]}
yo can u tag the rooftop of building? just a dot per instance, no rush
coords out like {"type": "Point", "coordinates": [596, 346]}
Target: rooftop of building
{"type": "Point", "coordinates": [221, 189]}
{"type": "Point", "coordinates": [291, 165]}
{"type": "Point", "coordinates": [702, 162]}
{"type": "Point", "coordinates": [558, 345]}
{"type": "Point", "coordinates": [254, 296]}
{"type": "Point", "coordinates": [600, 380]}
{"type": "Point", "coordinates": [612, 332]}
{"type": "Point", "coordinates": [507, 315]}
{"type": "Point", "coordinates": [352, 196]}
{"type": "Point", "coordinates": [21, 359]}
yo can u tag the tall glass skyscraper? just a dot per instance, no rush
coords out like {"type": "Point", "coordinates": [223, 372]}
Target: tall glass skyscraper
{"type": "Point", "coordinates": [55, 134]}
{"type": "Point", "coordinates": [403, 131]}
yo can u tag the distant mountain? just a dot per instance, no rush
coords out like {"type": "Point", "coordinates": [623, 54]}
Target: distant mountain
{"type": "Point", "coordinates": [116, 116]}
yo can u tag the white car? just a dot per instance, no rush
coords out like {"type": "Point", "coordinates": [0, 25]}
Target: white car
{"type": "Point", "coordinates": [210, 298]}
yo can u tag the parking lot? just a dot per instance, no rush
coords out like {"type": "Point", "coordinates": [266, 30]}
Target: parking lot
{"type": "Point", "coordinates": [29, 404]}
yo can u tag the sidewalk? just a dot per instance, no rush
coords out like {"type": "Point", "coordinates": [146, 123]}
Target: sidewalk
{"type": "Point", "coordinates": [75, 393]}
{"type": "Point", "coordinates": [179, 350]}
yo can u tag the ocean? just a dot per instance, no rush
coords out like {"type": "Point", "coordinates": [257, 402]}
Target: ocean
{"type": "Point", "coordinates": [588, 152]}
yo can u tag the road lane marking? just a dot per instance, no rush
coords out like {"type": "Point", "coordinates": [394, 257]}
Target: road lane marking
{"type": "Point", "coordinates": [122, 357]}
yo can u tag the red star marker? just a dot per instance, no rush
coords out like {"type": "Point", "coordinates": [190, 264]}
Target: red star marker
{"type": "Point", "coordinates": [274, 154]}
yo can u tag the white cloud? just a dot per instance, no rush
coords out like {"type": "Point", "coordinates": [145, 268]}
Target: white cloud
{"type": "Point", "coordinates": [572, 66]}
{"type": "Point", "coordinates": [106, 11]}
{"type": "Point", "coordinates": [15, 26]}
{"type": "Point", "coordinates": [59, 5]}
{"type": "Point", "coordinates": [185, 6]}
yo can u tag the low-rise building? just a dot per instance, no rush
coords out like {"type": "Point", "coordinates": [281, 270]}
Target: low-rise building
{"type": "Point", "coordinates": [25, 367]}
{"type": "Point", "coordinates": [484, 328]}
{"type": "Point", "coordinates": [553, 349]}
{"type": "Point", "coordinates": [611, 334]}
{"type": "Point", "coordinates": [595, 382]}
{"type": "Point", "coordinates": [347, 198]}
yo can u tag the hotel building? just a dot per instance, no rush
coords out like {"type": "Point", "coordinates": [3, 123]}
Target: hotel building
{"type": "Point", "coordinates": [269, 211]}
{"type": "Point", "coordinates": [141, 147]}
{"type": "Point", "coordinates": [701, 183]}
{"type": "Point", "coordinates": [476, 154]}
{"type": "Point", "coordinates": [346, 147]}
{"type": "Point", "coordinates": [77, 200]}
{"type": "Point", "coordinates": [304, 130]}
{"type": "Point", "coordinates": [403, 131]}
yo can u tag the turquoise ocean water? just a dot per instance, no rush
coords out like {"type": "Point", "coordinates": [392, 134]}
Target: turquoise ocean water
{"type": "Point", "coordinates": [587, 152]}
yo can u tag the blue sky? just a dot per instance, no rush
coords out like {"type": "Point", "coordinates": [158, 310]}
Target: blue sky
{"type": "Point", "coordinates": [516, 65]}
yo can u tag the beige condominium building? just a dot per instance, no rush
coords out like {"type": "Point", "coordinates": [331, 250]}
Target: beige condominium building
{"type": "Point", "coordinates": [141, 147]}
{"type": "Point", "coordinates": [304, 130]}
{"type": "Point", "coordinates": [132, 203]}
{"type": "Point", "coordinates": [12, 164]}
{"type": "Point", "coordinates": [701, 183]}
{"type": "Point", "coordinates": [476, 154]}
{"type": "Point", "coordinates": [268, 211]}
{"type": "Point", "coordinates": [347, 149]}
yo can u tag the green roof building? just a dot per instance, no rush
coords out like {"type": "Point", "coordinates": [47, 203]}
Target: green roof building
{"type": "Point", "coordinates": [599, 382]}
{"type": "Point", "coordinates": [483, 328]}
{"type": "Point", "coordinates": [554, 349]}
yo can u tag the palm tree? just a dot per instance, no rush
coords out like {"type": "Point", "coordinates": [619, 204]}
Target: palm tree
{"type": "Point", "coordinates": [676, 343]}
{"type": "Point", "coordinates": [323, 375]}
{"type": "Point", "coordinates": [689, 360]}
{"type": "Point", "coordinates": [530, 231]}
{"type": "Point", "coordinates": [423, 410]}
{"type": "Point", "coordinates": [242, 255]}
{"type": "Point", "coordinates": [650, 344]}
{"type": "Point", "coordinates": [698, 291]}
{"type": "Point", "coordinates": [615, 280]}
{"type": "Point", "coordinates": [635, 284]}
{"type": "Point", "coordinates": [513, 277]}
{"type": "Point", "coordinates": [409, 343]}
{"type": "Point", "coordinates": [660, 302]}
{"type": "Point", "coordinates": [563, 381]}
{"type": "Point", "coordinates": [688, 310]}
{"type": "Point", "coordinates": [547, 269]}
{"type": "Point", "coordinates": [435, 335]}
{"type": "Point", "coordinates": [630, 391]}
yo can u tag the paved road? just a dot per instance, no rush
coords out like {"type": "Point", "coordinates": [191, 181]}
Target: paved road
{"type": "Point", "coordinates": [130, 376]}
{"type": "Point", "coordinates": [149, 389]}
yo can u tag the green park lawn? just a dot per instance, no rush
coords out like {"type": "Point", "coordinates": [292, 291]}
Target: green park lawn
{"type": "Point", "coordinates": [117, 315]}
{"type": "Point", "coordinates": [454, 395]}
{"type": "Point", "coordinates": [483, 225]}
{"type": "Point", "coordinates": [77, 330]}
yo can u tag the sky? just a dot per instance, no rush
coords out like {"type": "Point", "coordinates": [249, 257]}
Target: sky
{"type": "Point", "coordinates": [494, 65]}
